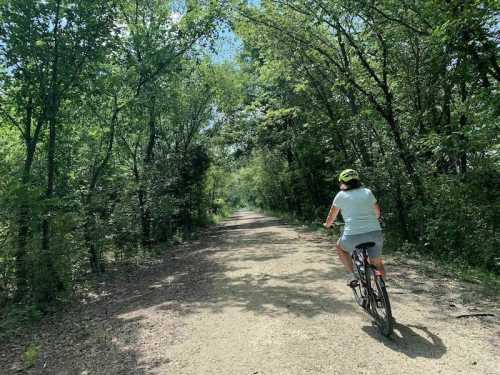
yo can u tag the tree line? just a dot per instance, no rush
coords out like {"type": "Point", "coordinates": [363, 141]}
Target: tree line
{"type": "Point", "coordinates": [119, 132]}
{"type": "Point", "coordinates": [407, 92]}
{"type": "Point", "coordinates": [105, 110]}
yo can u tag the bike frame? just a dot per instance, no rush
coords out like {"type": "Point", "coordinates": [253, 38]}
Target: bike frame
{"type": "Point", "coordinates": [367, 297]}
{"type": "Point", "coordinates": [362, 253]}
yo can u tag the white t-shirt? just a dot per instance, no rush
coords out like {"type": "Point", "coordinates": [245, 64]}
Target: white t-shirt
{"type": "Point", "coordinates": [356, 207]}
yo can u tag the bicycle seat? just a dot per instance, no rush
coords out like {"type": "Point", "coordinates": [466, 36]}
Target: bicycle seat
{"type": "Point", "coordinates": [365, 245]}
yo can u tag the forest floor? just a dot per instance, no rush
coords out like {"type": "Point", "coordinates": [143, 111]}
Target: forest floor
{"type": "Point", "coordinates": [255, 295]}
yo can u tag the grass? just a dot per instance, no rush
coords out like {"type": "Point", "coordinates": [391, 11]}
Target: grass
{"type": "Point", "coordinates": [434, 266]}
{"type": "Point", "coordinates": [31, 354]}
{"type": "Point", "coordinates": [221, 216]}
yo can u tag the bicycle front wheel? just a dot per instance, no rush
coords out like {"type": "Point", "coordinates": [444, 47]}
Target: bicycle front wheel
{"type": "Point", "coordinates": [380, 305]}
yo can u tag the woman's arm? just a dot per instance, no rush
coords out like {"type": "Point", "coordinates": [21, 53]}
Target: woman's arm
{"type": "Point", "coordinates": [332, 215]}
{"type": "Point", "coordinates": [376, 207]}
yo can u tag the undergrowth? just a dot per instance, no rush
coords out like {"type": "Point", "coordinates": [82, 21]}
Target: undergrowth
{"type": "Point", "coordinates": [430, 265]}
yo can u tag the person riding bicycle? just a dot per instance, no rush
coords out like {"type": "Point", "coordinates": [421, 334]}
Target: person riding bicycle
{"type": "Point", "coordinates": [361, 214]}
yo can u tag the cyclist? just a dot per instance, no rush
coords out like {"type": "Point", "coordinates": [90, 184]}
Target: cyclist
{"type": "Point", "coordinates": [361, 214]}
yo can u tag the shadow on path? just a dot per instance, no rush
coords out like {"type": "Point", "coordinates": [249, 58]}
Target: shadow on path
{"type": "Point", "coordinates": [268, 222]}
{"type": "Point", "coordinates": [412, 340]}
{"type": "Point", "coordinates": [105, 335]}
{"type": "Point", "coordinates": [209, 274]}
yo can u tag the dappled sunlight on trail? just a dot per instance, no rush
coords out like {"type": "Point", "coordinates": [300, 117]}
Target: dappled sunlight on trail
{"type": "Point", "coordinates": [255, 295]}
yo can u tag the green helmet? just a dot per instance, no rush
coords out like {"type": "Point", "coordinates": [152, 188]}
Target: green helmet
{"type": "Point", "coordinates": [348, 175]}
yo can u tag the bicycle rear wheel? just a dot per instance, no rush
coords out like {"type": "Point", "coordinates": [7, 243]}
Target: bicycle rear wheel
{"type": "Point", "coordinates": [360, 292]}
{"type": "Point", "coordinates": [360, 295]}
{"type": "Point", "coordinates": [380, 306]}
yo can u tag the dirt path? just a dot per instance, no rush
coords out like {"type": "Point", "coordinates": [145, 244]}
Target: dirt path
{"type": "Point", "coordinates": [257, 296]}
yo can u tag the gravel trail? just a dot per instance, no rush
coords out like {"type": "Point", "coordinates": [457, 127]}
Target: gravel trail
{"type": "Point", "coordinates": [257, 296]}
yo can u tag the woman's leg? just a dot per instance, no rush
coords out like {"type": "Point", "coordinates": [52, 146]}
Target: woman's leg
{"type": "Point", "coordinates": [375, 252]}
{"type": "Point", "coordinates": [379, 264]}
{"type": "Point", "coordinates": [345, 257]}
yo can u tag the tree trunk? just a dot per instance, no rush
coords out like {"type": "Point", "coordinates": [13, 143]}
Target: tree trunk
{"type": "Point", "coordinates": [24, 215]}
{"type": "Point", "coordinates": [402, 212]}
{"type": "Point", "coordinates": [405, 155]}
{"type": "Point", "coordinates": [141, 200]}
{"type": "Point", "coordinates": [96, 261]}
{"type": "Point", "coordinates": [24, 211]}
{"type": "Point", "coordinates": [145, 219]}
{"type": "Point", "coordinates": [461, 137]}
{"type": "Point", "coordinates": [53, 283]}
{"type": "Point", "coordinates": [148, 162]}
{"type": "Point", "coordinates": [23, 233]}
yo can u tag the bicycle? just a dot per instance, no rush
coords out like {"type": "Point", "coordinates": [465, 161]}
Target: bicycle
{"type": "Point", "coordinates": [369, 291]}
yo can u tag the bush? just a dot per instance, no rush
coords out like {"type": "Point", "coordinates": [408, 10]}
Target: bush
{"type": "Point", "coordinates": [459, 223]}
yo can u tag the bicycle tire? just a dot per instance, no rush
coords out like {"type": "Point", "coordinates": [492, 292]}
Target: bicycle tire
{"type": "Point", "coordinates": [360, 292]}
{"type": "Point", "coordinates": [379, 302]}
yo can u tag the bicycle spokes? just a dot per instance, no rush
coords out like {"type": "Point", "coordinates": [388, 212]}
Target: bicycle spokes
{"type": "Point", "coordinates": [370, 292]}
{"type": "Point", "coordinates": [380, 306]}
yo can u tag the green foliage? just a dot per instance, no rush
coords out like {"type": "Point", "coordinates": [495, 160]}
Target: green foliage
{"type": "Point", "coordinates": [30, 355]}
{"type": "Point", "coordinates": [21, 314]}
{"type": "Point", "coordinates": [461, 224]}
{"type": "Point", "coordinates": [119, 135]}
{"type": "Point", "coordinates": [105, 111]}
{"type": "Point", "coordinates": [408, 95]}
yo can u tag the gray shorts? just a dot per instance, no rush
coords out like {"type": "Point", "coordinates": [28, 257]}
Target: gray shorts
{"type": "Point", "coordinates": [349, 242]}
